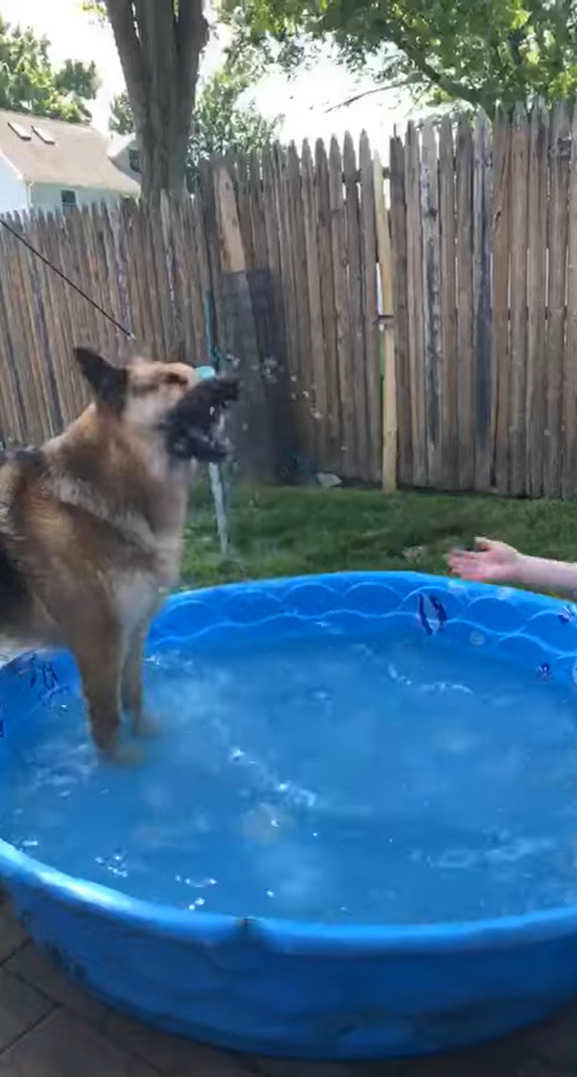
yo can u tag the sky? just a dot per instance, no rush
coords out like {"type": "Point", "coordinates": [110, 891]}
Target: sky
{"type": "Point", "coordinates": [304, 102]}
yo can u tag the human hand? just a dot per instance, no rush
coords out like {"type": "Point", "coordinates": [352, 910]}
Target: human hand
{"type": "Point", "coordinates": [490, 562]}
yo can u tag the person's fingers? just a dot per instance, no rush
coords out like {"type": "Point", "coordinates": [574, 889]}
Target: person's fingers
{"type": "Point", "coordinates": [484, 545]}
{"type": "Point", "coordinates": [463, 557]}
{"type": "Point", "coordinates": [468, 565]}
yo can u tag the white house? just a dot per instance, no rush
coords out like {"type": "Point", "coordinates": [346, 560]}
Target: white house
{"type": "Point", "coordinates": [52, 165]}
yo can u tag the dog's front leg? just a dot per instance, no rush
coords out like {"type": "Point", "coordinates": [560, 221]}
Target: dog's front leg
{"type": "Point", "coordinates": [100, 668]}
{"type": "Point", "coordinates": [142, 723]}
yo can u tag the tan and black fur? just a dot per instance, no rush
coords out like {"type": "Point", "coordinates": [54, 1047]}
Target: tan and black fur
{"type": "Point", "coordinates": [91, 525]}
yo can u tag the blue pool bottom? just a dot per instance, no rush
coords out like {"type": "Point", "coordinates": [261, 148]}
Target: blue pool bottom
{"type": "Point", "coordinates": [347, 987]}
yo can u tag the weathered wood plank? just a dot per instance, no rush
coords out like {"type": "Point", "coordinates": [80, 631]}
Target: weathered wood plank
{"type": "Point", "coordinates": [318, 387]}
{"type": "Point", "coordinates": [241, 178]}
{"type": "Point", "coordinates": [432, 305]}
{"type": "Point", "coordinates": [482, 337]}
{"type": "Point", "coordinates": [519, 225]}
{"type": "Point", "coordinates": [416, 306]}
{"type": "Point", "coordinates": [207, 209]}
{"type": "Point", "coordinates": [305, 376]}
{"type": "Point", "coordinates": [401, 306]}
{"type": "Point", "coordinates": [58, 243]}
{"type": "Point", "coordinates": [257, 212]}
{"type": "Point", "coordinates": [162, 257]}
{"type": "Point", "coordinates": [127, 219]}
{"type": "Point", "coordinates": [569, 474]}
{"type": "Point", "coordinates": [289, 292]}
{"type": "Point", "coordinates": [372, 342]}
{"type": "Point", "coordinates": [465, 309]}
{"type": "Point", "coordinates": [324, 239]}
{"type": "Point", "coordinates": [389, 396]}
{"type": "Point", "coordinates": [500, 325]}
{"type": "Point", "coordinates": [559, 151]}
{"type": "Point", "coordinates": [536, 298]}
{"type": "Point", "coordinates": [195, 282]}
{"type": "Point", "coordinates": [14, 421]}
{"type": "Point", "coordinates": [41, 322]}
{"type": "Point", "coordinates": [357, 386]}
{"type": "Point", "coordinates": [448, 238]}
{"type": "Point", "coordinates": [349, 465]}
{"type": "Point", "coordinates": [25, 352]}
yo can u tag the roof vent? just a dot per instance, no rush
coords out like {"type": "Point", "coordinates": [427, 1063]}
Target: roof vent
{"type": "Point", "coordinates": [43, 135]}
{"type": "Point", "coordinates": [20, 131]}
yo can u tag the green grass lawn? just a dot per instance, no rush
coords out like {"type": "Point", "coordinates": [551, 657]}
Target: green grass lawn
{"type": "Point", "coordinates": [286, 532]}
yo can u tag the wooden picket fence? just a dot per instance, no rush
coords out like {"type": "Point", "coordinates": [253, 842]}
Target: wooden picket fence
{"type": "Point", "coordinates": [484, 227]}
{"type": "Point", "coordinates": [150, 275]}
{"type": "Point", "coordinates": [287, 252]}
{"type": "Point", "coordinates": [415, 324]}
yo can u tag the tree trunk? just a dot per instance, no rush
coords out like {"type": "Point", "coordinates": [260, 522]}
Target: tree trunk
{"type": "Point", "coordinates": [159, 43]}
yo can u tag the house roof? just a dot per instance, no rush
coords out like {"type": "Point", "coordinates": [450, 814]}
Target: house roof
{"type": "Point", "coordinates": [70, 155]}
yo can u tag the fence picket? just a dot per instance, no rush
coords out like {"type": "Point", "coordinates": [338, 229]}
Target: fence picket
{"type": "Point", "coordinates": [416, 305]}
{"type": "Point", "coordinates": [536, 298]}
{"type": "Point", "coordinates": [448, 238]}
{"type": "Point", "coordinates": [401, 307]}
{"type": "Point", "coordinates": [465, 313]}
{"type": "Point", "coordinates": [559, 153]}
{"type": "Point", "coordinates": [389, 393]}
{"type": "Point", "coordinates": [431, 252]}
{"type": "Point", "coordinates": [519, 229]}
{"type": "Point", "coordinates": [569, 473]}
{"type": "Point", "coordinates": [357, 386]}
{"type": "Point", "coordinates": [482, 192]}
{"type": "Point", "coordinates": [324, 239]}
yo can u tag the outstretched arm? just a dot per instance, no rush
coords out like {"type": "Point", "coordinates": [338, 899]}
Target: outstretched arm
{"type": "Point", "coordinates": [495, 562]}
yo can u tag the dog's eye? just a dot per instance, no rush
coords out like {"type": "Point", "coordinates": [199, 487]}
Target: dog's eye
{"type": "Point", "coordinates": [176, 379]}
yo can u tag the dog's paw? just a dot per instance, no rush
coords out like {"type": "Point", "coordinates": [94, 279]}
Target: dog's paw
{"type": "Point", "coordinates": [145, 725]}
{"type": "Point", "coordinates": [124, 755]}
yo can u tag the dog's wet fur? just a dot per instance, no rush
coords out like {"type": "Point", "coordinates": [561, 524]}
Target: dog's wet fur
{"type": "Point", "coordinates": [91, 525]}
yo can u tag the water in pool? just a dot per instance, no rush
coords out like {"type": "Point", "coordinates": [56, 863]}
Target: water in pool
{"type": "Point", "coordinates": [371, 779]}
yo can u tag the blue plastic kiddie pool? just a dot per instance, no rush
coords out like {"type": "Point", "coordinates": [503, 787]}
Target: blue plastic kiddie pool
{"type": "Point", "coordinates": [438, 906]}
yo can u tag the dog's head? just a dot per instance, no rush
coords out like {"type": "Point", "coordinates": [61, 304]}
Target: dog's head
{"type": "Point", "coordinates": [163, 398]}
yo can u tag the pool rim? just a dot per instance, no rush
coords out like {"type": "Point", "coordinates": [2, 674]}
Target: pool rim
{"type": "Point", "coordinates": [18, 869]}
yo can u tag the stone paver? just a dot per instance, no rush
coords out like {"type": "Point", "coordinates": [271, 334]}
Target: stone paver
{"type": "Point", "coordinates": [48, 1028]}
{"type": "Point", "coordinates": [21, 1008]}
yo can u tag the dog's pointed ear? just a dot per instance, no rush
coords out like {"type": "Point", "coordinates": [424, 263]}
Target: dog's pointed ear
{"type": "Point", "coordinates": [108, 383]}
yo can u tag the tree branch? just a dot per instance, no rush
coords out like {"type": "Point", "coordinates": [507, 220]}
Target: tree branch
{"type": "Point", "coordinates": [191, 37]}
{"type": "Point", "coordinates": [452, 87]}
{"type": "Point", "coordinates": [121, 17]}
{"type": "Point", "coordinates": [367, 93]}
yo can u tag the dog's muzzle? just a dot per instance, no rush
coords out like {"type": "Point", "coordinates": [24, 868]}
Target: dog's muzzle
{"type": "Point", "coordinates": [193, 428]}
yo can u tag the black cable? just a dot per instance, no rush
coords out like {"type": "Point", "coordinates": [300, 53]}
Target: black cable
{"type": "Point", "coordinates": [66, 279]}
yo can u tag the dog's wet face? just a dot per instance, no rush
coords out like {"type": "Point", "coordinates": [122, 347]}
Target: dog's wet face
{"type": "Point", "coordinates": [193, 426]}
{"type": "Point", "coordinates": [170, 398]}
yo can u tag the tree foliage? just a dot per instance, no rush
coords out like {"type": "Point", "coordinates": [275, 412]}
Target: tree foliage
{"type": "Point", "coordinates": [223, 123]}
{"type": "Point", "coordinates": [29, 82]}
{"type": "Point", "coordinates": [484, 52]}
{"type": "Point", "coordinates": [121, 118]}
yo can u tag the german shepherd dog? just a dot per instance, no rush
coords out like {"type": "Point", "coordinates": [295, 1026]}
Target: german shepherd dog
{"type": "Point", "coordinates": [91, 525]}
